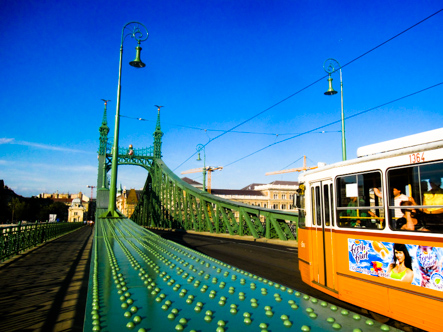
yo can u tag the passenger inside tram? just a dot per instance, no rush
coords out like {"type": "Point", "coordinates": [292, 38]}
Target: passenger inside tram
{"type": "Point", "coordinates": [420, 188]}
{"type": "Point", "coordinates": [355, 221]}
{"type": "Point", "coordinates": [360, 201]}
{"type": "Point", "coordinates": [413, 218]}
{"type": "Point", "coordinates": [398, 221]}
{"type": "Point", "coordinates": [434, 197]}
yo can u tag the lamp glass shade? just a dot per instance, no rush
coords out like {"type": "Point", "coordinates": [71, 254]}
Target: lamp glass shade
{"type": "Point", "coordinates": [331, 90]}
{"type": "Point", "coordinates": [137, 63]}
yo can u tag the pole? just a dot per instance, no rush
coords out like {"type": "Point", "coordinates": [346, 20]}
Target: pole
{"type": "Point", "coordinates": [137, 35]}
{"type": "Point", "coordinates": [204, 169]}
{"type": "Point", "coordinates": [199, 148]}
{"type": "Point", "coordinates": [329, 67]}
{"type": "Point", "coordinates": [343, 139]}
{"type": "Point", "coordinates": [113, 189]}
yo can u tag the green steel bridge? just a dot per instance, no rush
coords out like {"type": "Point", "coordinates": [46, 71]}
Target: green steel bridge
{"type": "Point", "coordinates": [142, 282]}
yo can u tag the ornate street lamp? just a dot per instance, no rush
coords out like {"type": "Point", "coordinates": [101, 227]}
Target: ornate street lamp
{"type": "Point", "coordinates": [330, 66]}
{"type": "Point", "coordinates": [135, 30]}
{"type": "Point", "coordinates": [199, 148]}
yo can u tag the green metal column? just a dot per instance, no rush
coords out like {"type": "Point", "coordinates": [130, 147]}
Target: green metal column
{"type": "Point", "coordinates": [102, 187]}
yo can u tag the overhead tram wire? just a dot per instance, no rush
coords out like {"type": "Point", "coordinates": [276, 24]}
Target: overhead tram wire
{"type": "Point", "coordinates": [290, 164]}
{"type": "Point", "coordinates": [334, 122]}
{"type": "Point", "coordinates": [311, 84]}
{"type": "Point", "coordinates": [204, 129]}
{"type": "Point", "coordinates": [233, 131]}
{"type": "Point", "coordinates": [390, 39]}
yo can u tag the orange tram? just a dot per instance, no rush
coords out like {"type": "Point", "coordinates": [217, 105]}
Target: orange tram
{"type": "Point", "coordinates": [371, 229]}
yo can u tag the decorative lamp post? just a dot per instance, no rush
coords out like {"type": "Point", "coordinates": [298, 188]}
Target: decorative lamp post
{"type": "Point", "coordinates": [133, 29]}
{"type": "Point", "coordinates": [330, 66]}
{"type": "Point", "coordinates": [199, 148]}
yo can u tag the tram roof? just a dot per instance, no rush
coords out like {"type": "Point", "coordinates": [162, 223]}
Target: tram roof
{"type": "Point", "coordinates": [426, 140]}
{"type": "Point", "coordinates": [401, 143]}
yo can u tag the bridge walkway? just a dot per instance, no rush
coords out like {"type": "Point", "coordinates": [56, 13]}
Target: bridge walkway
{"type": "Point", "coordinates": [45, 288]}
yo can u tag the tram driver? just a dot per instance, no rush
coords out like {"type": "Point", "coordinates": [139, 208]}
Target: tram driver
{"type": "Point", "coordinates": [434, 216]}
{"type": "Point", "coordinates": [355, 221]}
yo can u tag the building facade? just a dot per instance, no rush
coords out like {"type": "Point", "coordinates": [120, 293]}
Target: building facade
{"type": "Point", "coordinates": [79, 205]}
{"type": "Point", "coordinates": [67, 198]}
{"type": "Point", "coordinates": [77, 212]}
{"type": "Point", "coordinates": [277, 195]}
{"type": "Point", "coordinates": [127, 200]}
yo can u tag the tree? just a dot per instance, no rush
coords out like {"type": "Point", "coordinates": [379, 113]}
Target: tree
{"type": "Point", "coordinates": [17, 207]}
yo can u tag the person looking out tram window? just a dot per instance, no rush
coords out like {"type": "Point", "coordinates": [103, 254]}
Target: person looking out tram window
{"type": "Point", "coordinates": [433, 204]}
{"type": "Point", "coordinates": [433, 196]}
{"type": "Point", "coordinates": [413, 218]}
{"type": "Point", "coordinates": [422, 186]}
{"type": "Point", "coordinates": [401, 266]}
{"type": "Point", "coordinates": [399, 221]}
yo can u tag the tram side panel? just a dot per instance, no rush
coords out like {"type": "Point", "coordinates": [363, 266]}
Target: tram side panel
{"type": "Point", "coordinates": [357, 288]}
{"type": "Point", "coordinates": [304, 255]}
{"type": "Point", "coordinates": [311, 270]}
{"type": "Point", "coordinates": [412, 304]}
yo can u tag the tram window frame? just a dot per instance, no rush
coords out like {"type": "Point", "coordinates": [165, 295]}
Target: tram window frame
{"type": "Point", "coordinates": [327, 208]}
{"type": "Point", "coordinates": [299, 204]}
{"type": "Point", "coordinates": [415, 182]}
{"type": "Point", "coordinates": [369, 208]}
{"type": "Point", "coordinates": [316, 206]}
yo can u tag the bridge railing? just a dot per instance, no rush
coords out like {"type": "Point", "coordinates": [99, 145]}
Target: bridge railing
{"type": "Point", "coordinates": [169, 202]}
{"type": "Point", "coordinates": [17, 238]}
{"type": "Point", "coordinates": [122, 151]}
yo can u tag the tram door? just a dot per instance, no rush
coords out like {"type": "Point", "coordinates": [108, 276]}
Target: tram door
{"type": "Point", "coordinates": [323, 221]}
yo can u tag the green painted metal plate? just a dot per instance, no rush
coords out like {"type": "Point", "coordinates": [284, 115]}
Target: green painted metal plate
{"type": "Point", "coordinates": [142, 282]}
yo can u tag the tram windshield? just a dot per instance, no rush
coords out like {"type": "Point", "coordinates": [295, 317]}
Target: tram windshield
{"type": "Point", "coordinates": [416, 198]}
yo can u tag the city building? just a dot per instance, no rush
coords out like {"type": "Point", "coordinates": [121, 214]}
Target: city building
{"type": "Point", "coordinates": [277, 195]}
{"type": "Point", "coordinates": [67, 198]}
{"type": "Point", "coordinates": [193, 183]}
{"type": "Point", "coordinates": [127, 200]}
{"type": "Point", "coordinates": [79, 205]}
{"type": "Point", "coordinates": [76, 211]}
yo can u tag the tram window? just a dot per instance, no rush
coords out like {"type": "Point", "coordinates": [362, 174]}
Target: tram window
{"type": "Point", "coordinates": [316, 206]}
{"type": "Point", "coordinates": [314, 215]}
{"type": "Point", "coordinates": [331, 212]}
{"type": "Point", "coordinates": [327, 206]}
{"type": "Point", "coordinates": [360, 201]}
{"type": "Point", "coordinates": [418, 187]}
{"type": "Point", "coordinates": [300, 198]}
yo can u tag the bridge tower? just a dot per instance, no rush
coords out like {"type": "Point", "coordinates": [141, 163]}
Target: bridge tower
{"type": "Point", "coordinates": [158, 136]}
{"type": "Point", "coordinates": [102, 183]}
{"type": "Point", "coordinates": [143, 157]}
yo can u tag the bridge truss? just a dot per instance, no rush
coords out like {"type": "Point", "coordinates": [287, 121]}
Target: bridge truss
{"type": "Point", "coordinates": [169, 202]}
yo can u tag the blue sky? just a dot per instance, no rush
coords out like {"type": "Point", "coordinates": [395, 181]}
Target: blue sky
{"type": "Point", "coordinates": [213, 65]}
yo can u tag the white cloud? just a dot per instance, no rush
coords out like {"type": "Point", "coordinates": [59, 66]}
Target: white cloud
{"type": "Point", "coordinates": [6, 140]}
{"type": "Point", "coordinates": [40, 146]}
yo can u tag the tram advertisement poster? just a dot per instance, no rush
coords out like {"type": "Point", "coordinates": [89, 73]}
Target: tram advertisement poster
{"type": "Point", "coordinates": [418, 265]}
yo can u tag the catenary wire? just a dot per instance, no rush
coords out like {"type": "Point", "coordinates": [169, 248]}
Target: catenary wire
{"type": "Point", "coordinates": [233, 131]}
{"type": "Point", "coordinates": [334, 122]}
{"type": "Point", "coordinates": [304, 88]}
